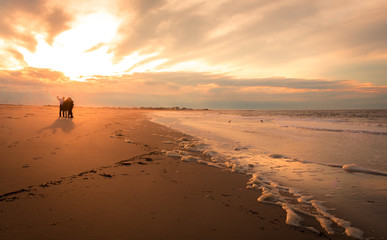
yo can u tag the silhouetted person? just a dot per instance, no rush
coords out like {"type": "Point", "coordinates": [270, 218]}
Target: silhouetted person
{"type": "Point", "coordinates": [70, 105]}
{"type": "Point", "coordinates": [65, 108]}
{"type": "Point", "coordinates": [61, 102]}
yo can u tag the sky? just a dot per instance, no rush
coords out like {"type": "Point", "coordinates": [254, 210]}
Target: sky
{"type": "Point", "coordinates": [218, 54]}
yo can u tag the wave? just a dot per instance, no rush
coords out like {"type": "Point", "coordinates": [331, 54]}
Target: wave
{"type": "Point", "coordinates": [374, 132]}
{"type": "Point", "coordinates": [346, 167]}
{"type": "Point", "coordinates": [355, 168]}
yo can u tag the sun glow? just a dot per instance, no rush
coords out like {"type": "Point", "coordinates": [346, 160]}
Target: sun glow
{"type": "Point", "coordinates": [83, 50]}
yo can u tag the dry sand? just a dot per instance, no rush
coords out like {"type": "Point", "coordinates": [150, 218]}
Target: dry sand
{"type": "Point", "coordinates": [79, 179]}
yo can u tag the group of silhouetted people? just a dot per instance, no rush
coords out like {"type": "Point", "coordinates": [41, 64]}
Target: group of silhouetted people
{"type": "Point", "coordinates": [65, 107]}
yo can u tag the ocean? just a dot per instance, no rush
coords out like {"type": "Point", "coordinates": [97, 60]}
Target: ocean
{"type": "Point", "coordinates": [330, 164]}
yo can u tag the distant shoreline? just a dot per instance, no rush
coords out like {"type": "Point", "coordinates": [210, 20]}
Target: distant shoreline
{"type": "Point", "coordinates": [197, 109]}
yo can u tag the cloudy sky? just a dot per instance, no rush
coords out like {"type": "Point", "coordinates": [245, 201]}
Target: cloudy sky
{"type": "Point", "coordinates": [219, 54]}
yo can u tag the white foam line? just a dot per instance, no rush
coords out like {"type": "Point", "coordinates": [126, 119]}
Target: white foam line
{"type": "Point", "coordinates": [355, 168]}
{"type": "Point", "coordinates": [271, 194]}
{"type": "Point", "coordinates": [348, 167]}
{"type": "Point", "coordinates": [190, 158]}
{"type": "Point", "coordinates": [340, 130]}
{"type": "Point", "coordinates": [173, 154]}
{"type": "Point", "coordinates": [350, 231]}
{"type": "Point", "coordinates": [326, 224]}
{"type": "Point", "coordinates": [292, 218]}
{"type": "Point", "coordinates": [271, 191]}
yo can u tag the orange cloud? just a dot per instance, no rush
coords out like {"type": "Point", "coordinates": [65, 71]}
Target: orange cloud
{"type": "Point", "coordinates": [24, 18]}
{"type": "Point", "coordinates": [226, 49]}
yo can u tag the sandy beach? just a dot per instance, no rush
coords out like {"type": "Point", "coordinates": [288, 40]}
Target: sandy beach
{"type": "Point", "coordinates": [104, 175]}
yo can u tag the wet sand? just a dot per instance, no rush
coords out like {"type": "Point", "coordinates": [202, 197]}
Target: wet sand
{"type": "Point", "coordinates": [103, 175]}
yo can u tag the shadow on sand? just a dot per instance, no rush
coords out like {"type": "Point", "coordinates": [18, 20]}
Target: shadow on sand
{"type": "Point", "coordinates": [66, 124]}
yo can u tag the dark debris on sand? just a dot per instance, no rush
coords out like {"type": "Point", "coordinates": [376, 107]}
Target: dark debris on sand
{"type": "Point", "coordinates": [107, 175]}
{"type": "Point", "coordinates": [143, 159]}
{"type": "Point", "coordinates": [10, 196]}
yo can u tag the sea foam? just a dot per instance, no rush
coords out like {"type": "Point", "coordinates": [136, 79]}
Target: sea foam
{"type": "Point", "coordinates": [271, 191]}
{"type": "Point", "coordinates": [355, 168]}
{"type": "Point", "coordinates": [252, 145]}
